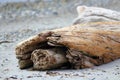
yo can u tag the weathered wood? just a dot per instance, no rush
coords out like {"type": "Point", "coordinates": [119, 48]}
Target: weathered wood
{"type": "Point", "coordinates": [44, 59]}
{"type": "Point", "coordinates": [24, 56]}
{"type": "Point", "coordinates": [101, 40]}
{"type": "Point", "coordinates": [88, 45]}
{"type": "Point", "coordinates": [23, 64]}
{"type": "Point", "coordinates": [79, 59]}
{"type": "Point", "coordinates": [26, 47]}
{"type": "Point", "coordinates": [95, 14]}
{"type": "Point", "coordinates": [32, 43]}
{"type": "Point", "coordinates": [95, 40]}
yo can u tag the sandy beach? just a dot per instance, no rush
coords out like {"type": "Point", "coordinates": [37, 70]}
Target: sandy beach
{"type": "Point", "coordinates": [20, 21]}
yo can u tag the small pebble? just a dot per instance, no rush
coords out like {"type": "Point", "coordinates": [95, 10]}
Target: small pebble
{"type": "Point", "coordinates": [13, 77]}
{"type": "Point", "coordinates": [29, 76]}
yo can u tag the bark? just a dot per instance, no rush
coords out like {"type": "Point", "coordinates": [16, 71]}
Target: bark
{"type": "Point", "coordinates": [44, 59]}
{"type": "Point", "coordinates": [100, 40]}
{"type": "Point", "coordinates": [95, 14]}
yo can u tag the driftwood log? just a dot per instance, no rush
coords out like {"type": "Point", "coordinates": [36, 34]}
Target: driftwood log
{"type": "Point", "coordinates": [92, 42]}
{"type": "Point", "coordinates": [95, 14]}
{"type": "Point", "coordinates": [82, 45]}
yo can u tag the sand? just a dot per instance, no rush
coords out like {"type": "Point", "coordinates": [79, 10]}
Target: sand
{"type": "Point", "coordinates": [15, 30]}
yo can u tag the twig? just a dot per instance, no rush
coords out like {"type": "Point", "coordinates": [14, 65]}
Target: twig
{"type": "Point", "coordinates": [5, 42]}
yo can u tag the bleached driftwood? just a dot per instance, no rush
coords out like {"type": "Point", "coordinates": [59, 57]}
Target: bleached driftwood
{"type": "Point", "coordinates": [95, 14]}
